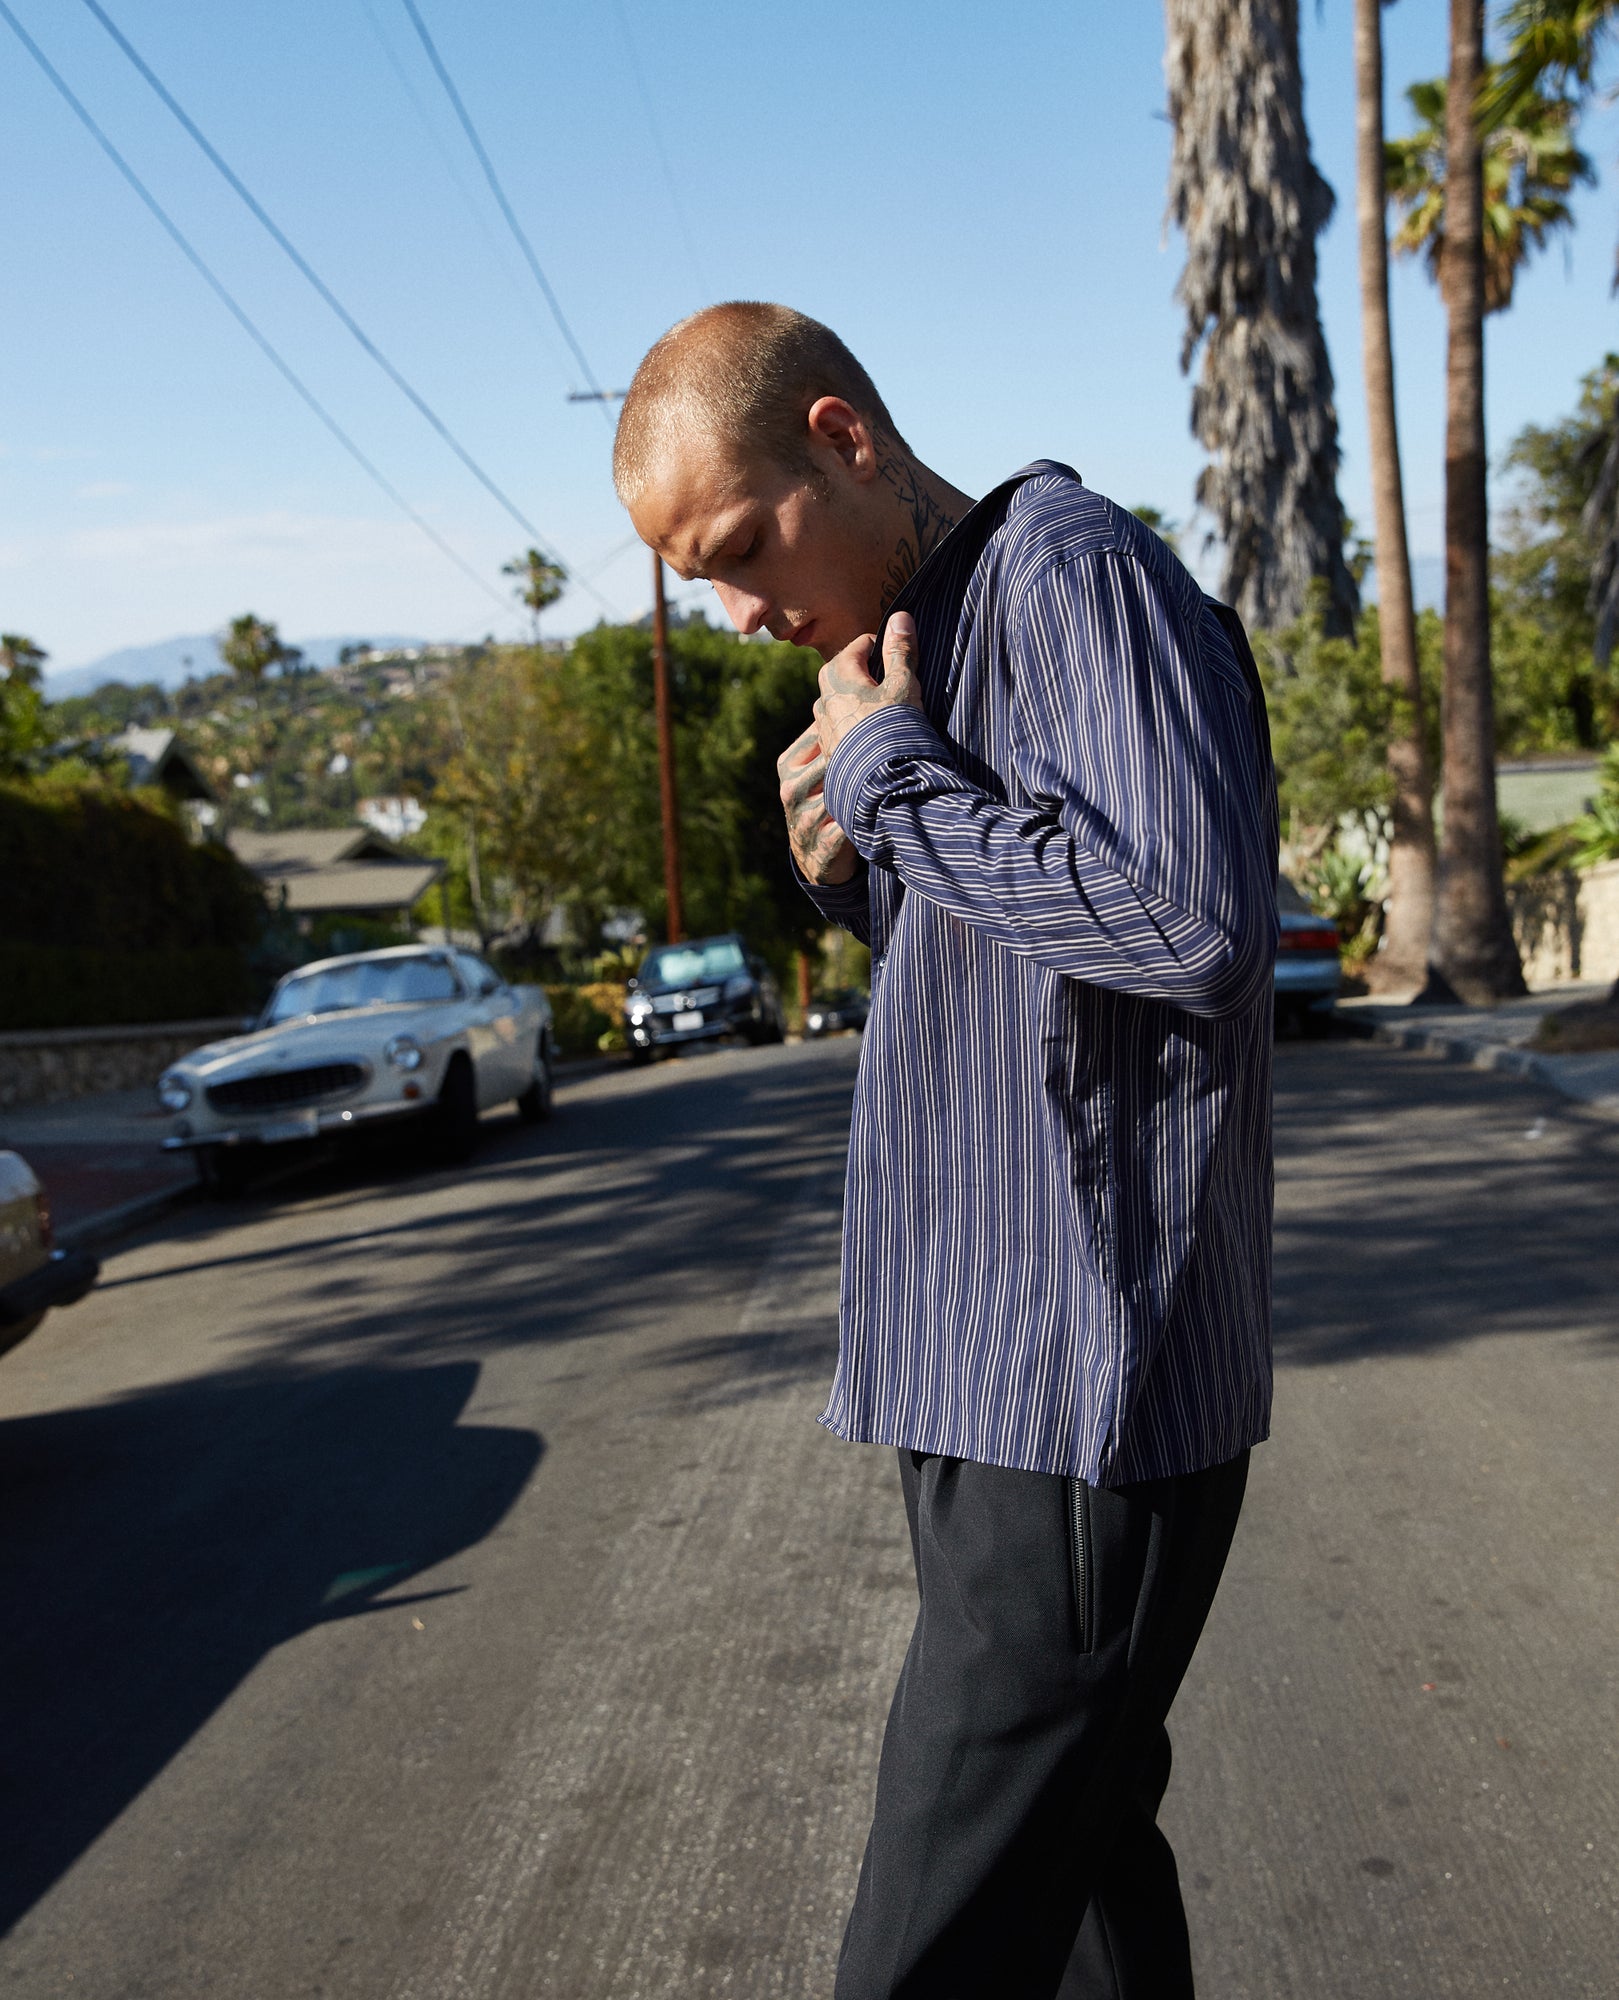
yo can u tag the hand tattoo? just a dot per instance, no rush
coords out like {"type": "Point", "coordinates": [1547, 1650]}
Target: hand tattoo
{"type": "Point", "coordinates": [820, 846]}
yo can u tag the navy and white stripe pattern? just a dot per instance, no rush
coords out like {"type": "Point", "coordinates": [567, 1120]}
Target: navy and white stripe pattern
{"type": "Point", "coordinates": [1058, 1219]}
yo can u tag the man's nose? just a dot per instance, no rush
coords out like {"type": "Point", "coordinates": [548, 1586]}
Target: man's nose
{"type": "Point", "coordinates": [745, 611]}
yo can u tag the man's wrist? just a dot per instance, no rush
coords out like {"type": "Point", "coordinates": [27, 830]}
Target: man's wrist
{"type": "Point", "coordinates": [893, 730]}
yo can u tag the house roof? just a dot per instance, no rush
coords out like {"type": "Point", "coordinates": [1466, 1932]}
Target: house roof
{"type": "Point", "coordinates": [158, 757]}
{"type": "Point", "coordinates": [297, 850]}
{"type": "Point", "coordinates": [325, 870]}
{"type": "Point", "coordinates": [372, 888]}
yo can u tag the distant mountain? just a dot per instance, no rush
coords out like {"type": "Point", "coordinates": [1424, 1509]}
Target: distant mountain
{"type": "Point", "coordinates": [172, 661]}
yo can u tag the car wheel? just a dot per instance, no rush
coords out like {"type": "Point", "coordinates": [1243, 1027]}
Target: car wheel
{"type": "Point", "coordinates": [222, 1171]}
{"type": "Point", "coordinates": [639, 1058]}
{"type": "Point", "coordinates": [534, 1106]}
{"type": "Point", "coordinates": [455, 1115]}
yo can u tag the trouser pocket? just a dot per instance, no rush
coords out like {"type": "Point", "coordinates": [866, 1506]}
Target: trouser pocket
{"type": "Point", "coordinates": [1081, 1561]}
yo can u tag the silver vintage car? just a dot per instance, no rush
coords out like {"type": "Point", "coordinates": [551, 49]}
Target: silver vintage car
{"type": "Point", "coordinates": [34, 1274]}
{"type": "Point", "coordinates": [418, 1033]}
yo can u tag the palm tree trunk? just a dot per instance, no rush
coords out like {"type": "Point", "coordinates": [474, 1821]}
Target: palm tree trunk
{"type": "Point", "coordinates": [1403, 959]}
{"type": "Point", "coordinates": [1250, 202]}
{"type": "Point", "coordinates": [1473, 945]}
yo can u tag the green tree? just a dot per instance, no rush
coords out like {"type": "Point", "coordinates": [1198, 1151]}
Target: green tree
{"type": "Point", "coordinates": [250, 647]}
{"type": "Point", "coordinates": [24, 730]}
{"type": "Point", "coordinates": [1555, 686]}
{"type": "Point", "coordinates": [540, 583]}
{"type": "Point", "coordinates": [556, 765]}
{"type": "Point", "coordinates": [1250, 202]}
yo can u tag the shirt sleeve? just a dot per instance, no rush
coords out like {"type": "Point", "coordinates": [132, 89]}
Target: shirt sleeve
{"type": "Point", "coordinates": [846, 904]}
{"type": "Point", "coordinates": [1127, 842]}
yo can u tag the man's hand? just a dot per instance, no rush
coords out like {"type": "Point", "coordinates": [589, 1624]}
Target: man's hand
{"type": "Point", "coordinates": [820, 847]}
{"type": "Point", "coordinates": [848, 692]}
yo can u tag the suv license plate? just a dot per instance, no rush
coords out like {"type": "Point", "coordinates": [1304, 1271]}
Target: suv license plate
{"type": "Point", "coordinates": [684, 1021]}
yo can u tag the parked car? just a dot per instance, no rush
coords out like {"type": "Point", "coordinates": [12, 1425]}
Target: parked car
{"type": "Point", "coordinates": [1308, 973]}
{"type": "Point", "coordinates": [411, 1034]}
{"type": "Point", "coordinates": [698, 990]}
{"type": "Point", "coordinates": [830, 1013]}
{"type": "Point", "coordinates": [34, 1275]}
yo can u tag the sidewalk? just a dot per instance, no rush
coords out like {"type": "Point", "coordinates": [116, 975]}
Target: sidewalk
{"type": "Point", "coordinates": [1495, 1038]}
{"type": "Point", "coordinates": [100, 1159]}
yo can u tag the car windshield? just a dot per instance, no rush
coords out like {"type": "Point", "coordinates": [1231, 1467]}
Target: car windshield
{"type": "Point", "coordinates": [693, 964]}
{"type": "Point", "coordinates": [366, 982]}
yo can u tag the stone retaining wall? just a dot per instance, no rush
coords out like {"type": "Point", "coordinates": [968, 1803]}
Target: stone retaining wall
{"type": "Point", "coordinates": [44, 1065]}
{"type": "Point", "coordinates": [1567, 925]}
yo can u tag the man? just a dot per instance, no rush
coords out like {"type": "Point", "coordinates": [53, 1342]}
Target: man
{"type": "Point", "coordinates": [1053, 819]}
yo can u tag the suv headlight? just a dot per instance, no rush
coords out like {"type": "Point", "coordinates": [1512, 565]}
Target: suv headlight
{"type": "Point", "coordinates": [738, 986]}
{"type": "Point", "coordinates": [639, 1009]}
{"type": "Point", "coordinates": [404, 1052]}
{"type": "Point", "coordinates": [173, 1093]}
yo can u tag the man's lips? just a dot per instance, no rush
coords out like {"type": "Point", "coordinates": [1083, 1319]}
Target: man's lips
{"type": "Point", "coordinates": [797, 635]}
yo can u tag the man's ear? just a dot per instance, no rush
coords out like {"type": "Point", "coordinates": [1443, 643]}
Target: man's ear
{"type": "Point", "coordinates": [838, 427]}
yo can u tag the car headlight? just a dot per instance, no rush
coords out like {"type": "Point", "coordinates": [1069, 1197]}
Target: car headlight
{"type": "Point", "coordinates": [738, 986]}
{"type": "Point", "coordinates": [404, 1052]}
{"type": "Point", "coordinates": [639, 1010]}
{"type": "Point", "coordinates": [173, 1093]}
{"type": "Point", "coordinates": [816, 1021]}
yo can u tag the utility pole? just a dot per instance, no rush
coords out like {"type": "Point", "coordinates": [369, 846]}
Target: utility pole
{"type": "Point", "coordinates": [667, 787]}
{"type": "Point", "coordinates": [666, 754]}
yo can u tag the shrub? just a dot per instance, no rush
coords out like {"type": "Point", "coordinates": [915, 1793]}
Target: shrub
{"type": "Point", "coordinates": [77, 986]}
{"type": "Point", "coordinates": [577, 1021]}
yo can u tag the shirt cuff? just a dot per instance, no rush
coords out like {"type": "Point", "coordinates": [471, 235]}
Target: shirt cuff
{"type": "Point", "coordinates": [896, 731]}
{"type": "Point", "coordinates": [845, 903]}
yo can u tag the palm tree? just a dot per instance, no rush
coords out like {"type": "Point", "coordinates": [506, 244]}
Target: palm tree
{"type": "Point", "coordinates": [1474, 953]}
{"type": "Point", "coordinates": [1403, 959]}
{"type": "Point", "coordinates": [540, 583]}
{"type": "Point", "coordinates": [1530, 167]}
{"type": "Point", "coordinates": [250, 647]}
{"type": "Point", "coordinates": [1246, 194]}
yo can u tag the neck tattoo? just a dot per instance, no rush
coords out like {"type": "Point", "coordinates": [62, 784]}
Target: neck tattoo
{"type": "Point", "coordinates": [929, 522]}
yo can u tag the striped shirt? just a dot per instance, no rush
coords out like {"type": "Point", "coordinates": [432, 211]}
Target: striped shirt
{"type": "Point", "coordinates": [1057, 1233]}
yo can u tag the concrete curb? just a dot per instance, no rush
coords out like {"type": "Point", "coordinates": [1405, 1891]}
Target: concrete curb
{"type": "Point", "coordinates": [1471, 1049]}
{"type": "Point", "coordinates": [108, 1223]}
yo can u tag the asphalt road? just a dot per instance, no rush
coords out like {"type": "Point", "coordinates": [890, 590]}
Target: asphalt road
{"type": "Point", "coordinates": [418, 1585]}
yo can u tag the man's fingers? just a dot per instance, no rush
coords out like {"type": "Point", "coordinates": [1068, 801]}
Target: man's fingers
{"type": "Point", "coordinates": [899, 647]}
{"type": "Point", "coordinates": [801, 750]}
{"type": "Point", "coordinates": [852, 667]}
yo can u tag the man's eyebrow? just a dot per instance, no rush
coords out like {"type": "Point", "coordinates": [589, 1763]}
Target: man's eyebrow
{"type": "Point", "coordinates": [707, 554]}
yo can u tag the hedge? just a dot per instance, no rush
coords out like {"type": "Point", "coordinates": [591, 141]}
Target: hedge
{"type": "Point", "coordinates": [90, 866]}
{"type": "Point", "coordinates": [77, 986]}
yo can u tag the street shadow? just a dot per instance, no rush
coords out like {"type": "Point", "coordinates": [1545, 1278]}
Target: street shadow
{"type": "Point", "coordinates": [652, 1189]}
{"type": "Point", "coordinates": [154, 1549]}
{"type": "Point", "coordinates": [1422, 1204]}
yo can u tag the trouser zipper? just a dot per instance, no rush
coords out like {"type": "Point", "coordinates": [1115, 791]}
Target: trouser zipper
{"type": "Point", "coordinates": [1079, 1559]}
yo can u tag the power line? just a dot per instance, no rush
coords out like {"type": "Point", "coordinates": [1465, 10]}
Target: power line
{"type": "Point", "coordinates": [656, 129]}
{"type": "Point", "coordinates": [499, 193]}
{"type": "Point", "coordinates": [193, 257]}
{"type": "Point", "coordinates": [307, 271]}
{"type": "Point", "coordinates": [472, 202]}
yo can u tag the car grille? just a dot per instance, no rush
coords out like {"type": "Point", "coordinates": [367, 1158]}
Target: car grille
{"type": "Point", "coordinates": [286, 1086]}
{"type": "Point", "coordinates": [682, 1003]}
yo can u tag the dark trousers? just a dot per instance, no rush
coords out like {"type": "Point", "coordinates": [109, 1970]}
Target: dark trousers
{"type": "Point", "coordinates": [1015, 1851]}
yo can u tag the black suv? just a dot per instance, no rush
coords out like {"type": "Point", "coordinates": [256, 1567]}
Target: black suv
{"type": "Point", "coordinates": [695, 991]}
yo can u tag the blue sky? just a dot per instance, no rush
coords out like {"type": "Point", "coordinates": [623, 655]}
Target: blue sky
{"type": "Point", "coordinates": [973, 196]}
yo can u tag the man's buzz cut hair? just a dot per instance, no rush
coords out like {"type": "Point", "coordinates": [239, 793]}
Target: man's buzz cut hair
{"type": "Point", "coordinates": [742, 375]}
